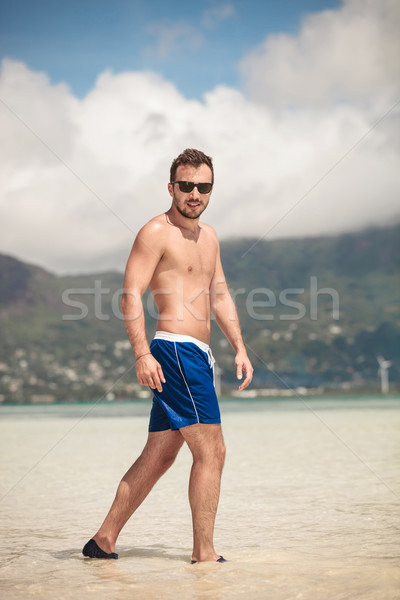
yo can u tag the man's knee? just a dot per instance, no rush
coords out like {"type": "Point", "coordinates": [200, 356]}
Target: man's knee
{"type": "Point", "coordinates": [159, 463]}
{"type": "Point", "coordinates": [219, 446]}
{"type": "Point", "coordinates": [161, 456]}
{"type": "Point", "coordinates": [211, 450]}
{"type": "Point", "coordinates": [167, 459]}
{"type": "Point", "coordinates": [221, 451]}
{"type": "Point", "coordinates": [213, 455]}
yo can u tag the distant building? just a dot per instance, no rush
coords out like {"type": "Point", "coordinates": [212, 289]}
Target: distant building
{"type": "Point", "coordinates": [42, 399]}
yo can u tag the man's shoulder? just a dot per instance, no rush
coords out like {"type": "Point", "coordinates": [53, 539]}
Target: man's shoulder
{"type": "Point", "coordinates": [157, 222]}
{"type": "Point", "coordinates": [209, 230]}
{"type": "Point", "coordinates": [152, 235]}
{"type": "Point", "coordinates": [155, 226]}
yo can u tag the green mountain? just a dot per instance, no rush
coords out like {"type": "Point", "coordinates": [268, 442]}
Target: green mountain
{"type": "Point", "coordinates": [314, 312]}
{"type": "Point", "coordinates": [348, 288]}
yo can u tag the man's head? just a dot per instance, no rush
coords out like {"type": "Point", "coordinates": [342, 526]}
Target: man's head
{"type": "Point", "coordinates": [191, 181]}
{"type": "Point", "coordinates": [191, 157]}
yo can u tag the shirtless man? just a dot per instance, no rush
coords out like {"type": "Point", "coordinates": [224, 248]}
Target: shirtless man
{"type": "Point", "coordinates": [179, 258]}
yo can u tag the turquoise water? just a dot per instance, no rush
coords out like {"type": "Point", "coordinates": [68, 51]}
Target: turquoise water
{"type": "Point", "coordinates": [309, 506]}
{"type": "Point", "coordinates": [142, 407]}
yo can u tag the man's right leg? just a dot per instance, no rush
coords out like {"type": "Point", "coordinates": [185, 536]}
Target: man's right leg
{"type": "Point", "coordinates": [158, 455]}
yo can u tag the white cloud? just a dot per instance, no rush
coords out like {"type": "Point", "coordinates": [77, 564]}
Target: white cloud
{"type": "Point", "coordinates": [184, 35]}
{"type": "Point", "coordinates": [349, 55]}
{"type": "Point", "coordinates": [79, 177]}
{"type": "Point", "coordinates": [173, 37]}
{"type": "Point", "coordinates": [215, 15]}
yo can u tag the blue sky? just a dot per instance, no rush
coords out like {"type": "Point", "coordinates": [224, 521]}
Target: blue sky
{"type": "Point", "coordinates": [196, 45]}
{"type": "Point", "coordinates": [297, 101]}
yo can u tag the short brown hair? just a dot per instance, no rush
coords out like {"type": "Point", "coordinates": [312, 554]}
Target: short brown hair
{"type": "Point", "coordinates": [193, 157]}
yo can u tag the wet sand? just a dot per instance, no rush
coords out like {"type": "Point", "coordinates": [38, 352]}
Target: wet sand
{"type": "Point", "coordinates": [309, 506]}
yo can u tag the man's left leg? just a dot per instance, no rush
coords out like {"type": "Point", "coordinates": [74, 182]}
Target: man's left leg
{"type": "Point", "coordinates": [207, 446]}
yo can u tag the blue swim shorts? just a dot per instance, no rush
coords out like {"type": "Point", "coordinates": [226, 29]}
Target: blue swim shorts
{"type": "Point", "coordinates": [188, 395]}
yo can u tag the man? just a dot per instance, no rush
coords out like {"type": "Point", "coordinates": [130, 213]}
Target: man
{"type": "Point", "coordinates": [179, 258]}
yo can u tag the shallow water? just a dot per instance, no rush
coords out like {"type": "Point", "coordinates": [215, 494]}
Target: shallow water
{"type": "Point", "coordinates": [309, 506]}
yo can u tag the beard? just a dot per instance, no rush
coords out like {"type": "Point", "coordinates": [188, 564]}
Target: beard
{"type": "Point", "coordinates": [190, 214]}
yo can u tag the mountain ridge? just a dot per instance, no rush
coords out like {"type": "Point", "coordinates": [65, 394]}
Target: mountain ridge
{"type": "Point", "coordinates": [273, 285]}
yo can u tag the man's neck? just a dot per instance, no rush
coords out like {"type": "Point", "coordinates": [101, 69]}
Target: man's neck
{"type": "Point", "coordinates": [175, 218]}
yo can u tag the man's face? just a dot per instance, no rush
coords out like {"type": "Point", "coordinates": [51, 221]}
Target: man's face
{"type": "Point", "coordinates": [191, 204]}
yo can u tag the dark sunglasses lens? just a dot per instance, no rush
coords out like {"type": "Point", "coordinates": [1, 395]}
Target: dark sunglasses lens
{"type": "Point", "coordinates": [204, 188]}
{"type": "Point", "coordinates": [186, 186]}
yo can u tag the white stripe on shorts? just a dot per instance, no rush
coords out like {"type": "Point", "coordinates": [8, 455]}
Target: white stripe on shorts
{"type": "Point", "coordinates": [186, 383]}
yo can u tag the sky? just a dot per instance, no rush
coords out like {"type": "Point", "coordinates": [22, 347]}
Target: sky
{"type": "Point", "coordinates": [297, 101]}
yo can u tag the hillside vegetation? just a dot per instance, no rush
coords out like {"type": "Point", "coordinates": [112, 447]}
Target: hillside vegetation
{"type": "Point", "coordinates": [314, 312]}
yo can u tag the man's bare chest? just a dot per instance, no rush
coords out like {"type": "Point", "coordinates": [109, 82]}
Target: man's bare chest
{"type": "Point", "coordinates": [191, 258]}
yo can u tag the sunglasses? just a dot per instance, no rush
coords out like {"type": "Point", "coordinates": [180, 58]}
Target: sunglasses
{"type": "Point", "coordinates": [187, 186]}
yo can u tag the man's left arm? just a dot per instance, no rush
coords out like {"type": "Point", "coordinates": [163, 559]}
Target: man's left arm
{"type": "Point", "coordinates": [224, 310]}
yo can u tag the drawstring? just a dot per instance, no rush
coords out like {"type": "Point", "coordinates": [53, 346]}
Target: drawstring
{"type": "Point", "coordinates": [177, 337]}
{"type": "Point", "coordinates": [211, 363]}
{"type": "Point", "coordinates": [211, 359]}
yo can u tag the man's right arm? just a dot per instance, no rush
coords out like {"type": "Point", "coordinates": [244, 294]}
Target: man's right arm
{"type": "Point", "coordinates": [146, 253]}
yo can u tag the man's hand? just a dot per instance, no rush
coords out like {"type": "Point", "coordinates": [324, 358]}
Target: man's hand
{"type": "Point", "coordinates": [243, 365]}
{"type": "Point", "coordinates": [149, 372]}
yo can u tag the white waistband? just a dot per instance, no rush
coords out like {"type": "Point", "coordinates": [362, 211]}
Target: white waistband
{"type": "Point", "coordinates": [178, 337]}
